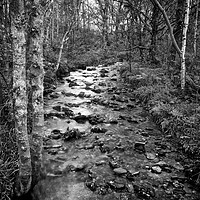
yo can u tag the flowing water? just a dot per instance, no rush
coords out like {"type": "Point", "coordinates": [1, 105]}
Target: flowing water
{"type": "Point", "coordinates": [101, 144]}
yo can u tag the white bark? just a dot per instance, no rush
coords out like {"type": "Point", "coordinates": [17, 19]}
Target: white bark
{"type": "Point", "coordinates": [195, 29]}
{"type": "Point", "coordinates": [185, 28]}
{"type": "Point", "coordinates": [64, 39]}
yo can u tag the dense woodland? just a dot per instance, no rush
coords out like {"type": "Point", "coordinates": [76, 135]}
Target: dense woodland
{"type": "Point", "coordinates": [156, 43]}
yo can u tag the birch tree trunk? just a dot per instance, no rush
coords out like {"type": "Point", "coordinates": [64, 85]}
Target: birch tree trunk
{"type": "Point", "coordinates": [36, 76]}
{"type": "Point", "coordinates": [185, 28]}
{"type": "Point", "coordinates": [64, 39]}
{"type": "Point", "coordinates": [20, 101]}
{"type": "Point", "coordinates": [195, 29]}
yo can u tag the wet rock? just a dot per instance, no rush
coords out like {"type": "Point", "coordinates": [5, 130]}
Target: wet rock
{"type": "Point", "coordinates": [102, 84]}
{"type": "Point", "coordinates": [104, 71]}
{"type": "Point", "coordinates": [132, 174]}
{"type": "Point", "coordinates": [81, 94]}
{"type": "Point", "coordinates": [103, 75]}
{"type": "Point", "coordinates": [67, 94]}
{"type": "Point", "coordinates": [67, 111]}
{"type": "Point", "coordinates": [55, 134]}
{"type": "Point", "coordinates": [105, 149]}
{"type": "Point", "coordinates": [53, 146]}
{"type": "Point", "coordinates": [73, 83]}
{"type": "Point", "coordinates": [62, 71]}
{"type": "Point", "coordinates": [144, 192]}
{"type": "Point", "coordinates": [97, 129]}
{"type": "Point", "coordinates": [80, 118]}
{"type": "Point", "coordinates": [55, 114]}
{"type": "Point", "coordinates": [134, 120]}
{"type": "Point", "coordinates": [140, 147]}
{"type": "Point", "coordinates": [113, 79]}
{"type": "Point", "coordinates": [97, 90]}
{"type": "Point", "coordinates": [101, 162]}
{"type": "Point", "coordinates": [54, 95]}
{"type": "Point", "coordinates": [113, 164]}
{"type": "Point", "coordinates": [113, 121]}
{"type": "Point", "coordinates": [156, 169]}
{"type": "Point", "coordinates": [91, 184]}
{"type": "Point", "coordinates": [178, 166]}
{"type": "Point", "coordinates": [161, 164]}
{"type": "Point", "coordinates": [131, 105]}
{"type": "Point", "coordinates": [52, 151]}
{"type": "Point", "coordinates": [117, 185]}
{"type": "Point", "coordinates": [72, 134]}
{"type": "Point", "coordinates": [77, 167]}
{"type": "Point", "coordinates": [91, 68]}
{"type": "Point", "coordinates": [119, 171]}
{"type": "Point", "coordinates": [89, 146]}
{"type": "Point", "coordinates": [181, 179]}
{"type": "Point", "coordinates": [145, 134]}
{"type": "Point", "coordinates": [57, 108]}
{"type": "Point", "coordinates": [150, 156]}
{"type": "Point", "coordinates": [130, 188]}
{"type": "Point", "coordinates": [167, 169]}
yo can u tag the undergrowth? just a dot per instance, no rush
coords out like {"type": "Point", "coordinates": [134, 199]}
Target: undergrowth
{"type": "Point", "coordinates": [178, 117]}
{"type": "Point", "coordinates": [8, 151]}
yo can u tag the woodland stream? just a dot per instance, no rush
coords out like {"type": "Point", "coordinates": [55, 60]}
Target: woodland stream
{"type": "Point", "coordinates": [101, 144]}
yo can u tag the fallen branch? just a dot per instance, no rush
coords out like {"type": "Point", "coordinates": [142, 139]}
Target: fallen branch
{"type": "Point", "coordinates": [168, 25]}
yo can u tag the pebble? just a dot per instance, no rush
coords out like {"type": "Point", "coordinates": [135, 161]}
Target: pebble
{"type": "Point", "coordinates": [150, 156]}
{"type": "Point", "coordinates": [156, 169]}
{"type": "Point", "coordinates": [120, 171]}
{"type": "Point", "coordinates": [140, 146]}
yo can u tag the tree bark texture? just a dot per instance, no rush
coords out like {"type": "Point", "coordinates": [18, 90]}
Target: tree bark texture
{"type": "Point", "coordinates": [36, 76]}
{"type": "Point", "coordinates": [185, 28]}
{"type": "Point", "coordinates": [154, 24]}
{"type": "Point", "coordinates": [195, 29]}
{"type": "Point", "coordinates": [178, 30]}
{"type": "Point", "coordinates": [20, 101]}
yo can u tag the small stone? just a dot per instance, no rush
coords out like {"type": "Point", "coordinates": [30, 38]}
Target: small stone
{"type": "Point", "coordinates": [161, 164]}
{"type": "Point", "coordinates": [140, 146]}
{"type": "Point", "coordinates": [78, 167]}
{"type": "Point", "coordinates": [113, 121]}
{"type": "Point", "coordinates": [150, 156]}
{"type": "Point", "coordinates": [156, 169]}
{"type": "Point", "coordinates": [90, 146]}
{"type": "Point", "coordinates": [58, 108]}
{"type": "Point", "coordinates": [120, 171]}
{"type": "Point", "coordinates": [113, 164]}
{"type": "Point", "coordinates": [53, 146]}
{"type": "Point", "coordinates": [178, 166]}
{"type": "Point", "coordinates": [81, 94]}
{"type": "Point", "coordinates": [130, 188]}
{"type": "Point", "coordinates": [101, 162]}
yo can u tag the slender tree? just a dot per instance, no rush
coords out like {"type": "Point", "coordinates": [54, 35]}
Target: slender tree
{"type": "Point", "coordinates": [185, 28]}
{"type": "Point", "coordinates": [195, 28]}
{"type": "Point", "coordinates": [35, 79]}
{"type": "Point", "coordinates": [20, 98]}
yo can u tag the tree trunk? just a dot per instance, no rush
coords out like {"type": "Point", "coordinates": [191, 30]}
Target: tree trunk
{"type": "Point", "coordinates": [154, 24]}
{"type": "Point", "coordinates": [52, 25]}
{"type": "Point", "coordinates": [185, 28]}
{"type": "Point", "coordinates": [195, 29]}
{"type": "Point", "coordinates": [20, 101]}
{"type": "Point", "coordinates": [64, 39]}
{"type": "Point", "coordinates": [36, 76]}
{"type": "Point", "coordinates": [178, 30]}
